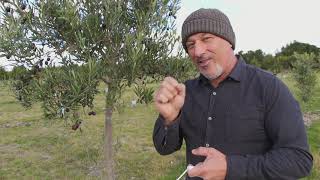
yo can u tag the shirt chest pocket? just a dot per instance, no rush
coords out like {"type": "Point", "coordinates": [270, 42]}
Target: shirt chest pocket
{"type": "Point", "coordinates": [245, 124]}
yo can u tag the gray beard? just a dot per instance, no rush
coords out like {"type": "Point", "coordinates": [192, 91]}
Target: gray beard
{"type": "Point", "coordinates": [216, 74]}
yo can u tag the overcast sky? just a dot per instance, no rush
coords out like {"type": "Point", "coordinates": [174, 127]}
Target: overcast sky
{"type": "Point", "coordinates": [264, 24]}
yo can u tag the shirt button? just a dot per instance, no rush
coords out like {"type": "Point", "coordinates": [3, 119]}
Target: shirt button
{"type": "Point", "coordinates": [214, 93]}
{"type": "Point", "coordinates": [209, 118]}
{"type": "Point", "coordinates": [207, 145]}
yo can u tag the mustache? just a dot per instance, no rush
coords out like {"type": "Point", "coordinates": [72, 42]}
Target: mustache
{"type": "Point", "coordinates": [203, 58]}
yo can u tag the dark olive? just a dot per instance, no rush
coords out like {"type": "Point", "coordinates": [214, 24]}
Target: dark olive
{"type": "Point", "coordinates": [103, 26]}
{"type": "Point", "coordinates": [8, 9]}
{"type": "Point", "coordinates": [23, 6]}
{"type": "Point", "coordinates": [92, 113]}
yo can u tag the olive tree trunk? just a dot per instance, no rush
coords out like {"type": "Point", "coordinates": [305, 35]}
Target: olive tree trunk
{"type": "Point", "coordinates": [109, 164]}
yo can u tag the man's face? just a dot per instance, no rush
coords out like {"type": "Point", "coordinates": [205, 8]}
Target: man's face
{"type": "Point", "coordinates": [209, 54]}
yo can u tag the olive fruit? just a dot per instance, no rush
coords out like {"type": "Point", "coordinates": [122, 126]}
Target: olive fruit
{"type": "Point", "coordinates": [23, 6]}
{"type": "Point", "coordinates": [8, 9]}
{"type": "Point", "coordinates": [92, 113]}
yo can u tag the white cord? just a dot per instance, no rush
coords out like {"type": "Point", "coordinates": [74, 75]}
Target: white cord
{"type": "Point", "coordinates": [185, 171]}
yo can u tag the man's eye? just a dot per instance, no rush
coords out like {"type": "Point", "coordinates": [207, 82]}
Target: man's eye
{"type": "Point", "coordinates": [207, 38]}
{"type": "Point", "coordinates": [189, 46]}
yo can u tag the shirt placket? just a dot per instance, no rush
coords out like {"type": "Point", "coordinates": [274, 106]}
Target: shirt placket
{"type": "Point", "coordinates": [210, 119]}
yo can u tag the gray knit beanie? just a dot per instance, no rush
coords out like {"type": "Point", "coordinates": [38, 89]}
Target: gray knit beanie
{"type": "Point", "coordinates": [208, 21]}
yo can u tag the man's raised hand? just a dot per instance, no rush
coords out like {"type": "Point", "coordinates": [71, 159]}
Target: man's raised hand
{"type": "Point", "coordinates": [169, 99]}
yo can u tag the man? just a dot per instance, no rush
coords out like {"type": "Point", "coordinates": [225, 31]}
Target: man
{"type": "Point", "coordinates": [238, 121]}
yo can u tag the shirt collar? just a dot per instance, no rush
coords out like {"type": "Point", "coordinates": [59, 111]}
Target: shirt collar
{"type": "Point", "coordinates": [235, 74]}
{"type": "Point", "coordinates": [237, 71]}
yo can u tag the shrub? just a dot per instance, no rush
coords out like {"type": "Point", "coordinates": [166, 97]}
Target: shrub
{"type": "Point", "coordinates": [304, 75]}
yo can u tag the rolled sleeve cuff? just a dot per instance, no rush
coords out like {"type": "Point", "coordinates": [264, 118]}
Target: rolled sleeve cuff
{"type": "Point", "coordinates": [170, 131]}
{"type": "Point", "coordinates": [173, 125]}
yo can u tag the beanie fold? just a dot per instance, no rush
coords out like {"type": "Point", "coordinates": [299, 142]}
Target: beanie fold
{"type": "Point", "coordinates": [208, 21]}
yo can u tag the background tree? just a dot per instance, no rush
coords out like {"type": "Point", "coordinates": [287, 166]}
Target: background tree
{"type": "Point", "coordinates": [287, 58]}
{"type": "Point", "coordinates": [253, 57]}
{"type": "Point", "coordinates": [17, 72]}
{"type": "Point", "coordinates": [4, 75]}
{"type": "Point", "coordinates": [69, 47]}
{"type": "Point", "coordinates": [283, 60]}
{"type": "Point", "coordinates": [299, 48]}
{"type": "Point", "coordinates": [304, 75]}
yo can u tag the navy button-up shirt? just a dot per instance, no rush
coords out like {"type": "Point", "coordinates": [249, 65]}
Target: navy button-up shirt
{"type": "Point", "coordinates": [251, 117]}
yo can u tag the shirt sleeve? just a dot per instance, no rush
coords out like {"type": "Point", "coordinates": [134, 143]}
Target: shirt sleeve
{"type": "Point", "coordinates": [289, 157]}
{"type": "Point", "coordinates": [167, 139]}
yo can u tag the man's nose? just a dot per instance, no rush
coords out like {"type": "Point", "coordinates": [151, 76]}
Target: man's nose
{"type": "Point", "coordinates": [199, 49]}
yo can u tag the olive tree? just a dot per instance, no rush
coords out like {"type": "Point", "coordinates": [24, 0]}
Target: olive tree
{"type": "Point", "coordinates": [304, 75]}
{"type": "Point", "coordinates": [70, 46]}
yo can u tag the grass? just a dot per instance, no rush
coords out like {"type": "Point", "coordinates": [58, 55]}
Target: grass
{"type": "Point", "coordinates": [313, 132]}
{"type": "Point", "coordinates": [314, 141]}
{"type": "Point", "coordinates": [313, 105]}
{"type": "Point", "coordinates": [34, 148]}
{"type": "Point", "coordinates": [47, 150]}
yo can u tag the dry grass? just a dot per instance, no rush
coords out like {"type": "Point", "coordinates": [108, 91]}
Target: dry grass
{"type": "Point", "coordinates": [33, 148]}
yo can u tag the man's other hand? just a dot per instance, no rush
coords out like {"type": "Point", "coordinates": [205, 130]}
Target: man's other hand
{"type": "Point", "coordinates": [214, 166]}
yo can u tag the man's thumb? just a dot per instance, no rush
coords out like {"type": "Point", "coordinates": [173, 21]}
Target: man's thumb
{"type": "Point", "coordinates": [202, 151]}
{"type": "Point", "coordinates": [196, 170]}
{"type": "Point", "coordinates": [181, 89]}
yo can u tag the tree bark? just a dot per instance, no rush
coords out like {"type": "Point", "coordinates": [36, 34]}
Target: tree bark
{"type": "Point", "coordinates": [108, 144]}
